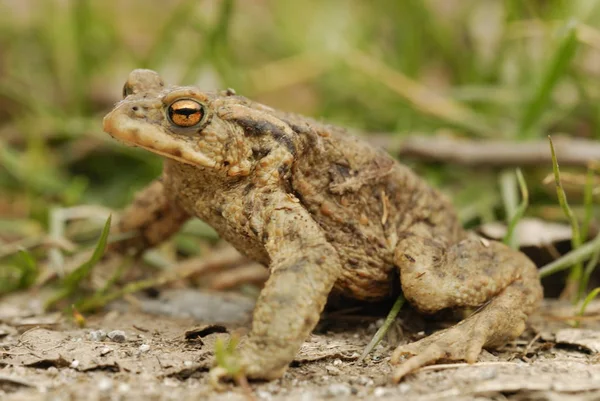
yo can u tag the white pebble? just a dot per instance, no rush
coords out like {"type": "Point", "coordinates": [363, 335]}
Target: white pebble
{"type": "Point", "coordinates": [264, 395]}
{"type": "Point", "coordinates": [380, 391]}
{"type": "Point", "coordinates": [338, 389]}
{"type": "Point", "coordinates": [144, 348]}
{"type": "Point", "coordinates": [404, 388]}
{"type": "Point", "coordinates": [74, 364]}
{"type": "Point", "coordinates": [97, 335]}
{"type": "Point", "coordinates": [105, 384]}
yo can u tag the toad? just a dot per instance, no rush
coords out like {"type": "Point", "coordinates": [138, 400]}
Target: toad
{"type": "Point", "coordinates": [326, 212]}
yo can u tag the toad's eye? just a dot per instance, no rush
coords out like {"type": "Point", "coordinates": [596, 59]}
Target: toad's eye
{"type": "Point", "coordinates": [185, 112]}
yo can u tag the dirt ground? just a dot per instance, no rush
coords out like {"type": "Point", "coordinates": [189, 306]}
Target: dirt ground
{"type": "Point", "coordinates": [165, 350]}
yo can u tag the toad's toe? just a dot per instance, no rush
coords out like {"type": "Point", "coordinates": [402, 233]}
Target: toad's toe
{"type": "Point", "coordinates": [461, 342]}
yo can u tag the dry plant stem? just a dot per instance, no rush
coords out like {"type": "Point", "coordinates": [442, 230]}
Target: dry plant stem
{"type": "Point", "coordinates": [242, 381]}
{"type": "Point", "coordinates": [493, 153]}
{"type": "Point", "coordinates": [420, 97]}
{"type": "Point", "coordinates": [384, 328]}
{"type": "Point", "coordinates": [254, 273]}
{"type": "Point", "coordinates": [182, 271]}
{"type": "Point", "coordinates": [577, 271]}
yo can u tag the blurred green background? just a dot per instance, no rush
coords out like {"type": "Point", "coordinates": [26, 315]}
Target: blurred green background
{"type": "Point", "coordinates": [474, 68]}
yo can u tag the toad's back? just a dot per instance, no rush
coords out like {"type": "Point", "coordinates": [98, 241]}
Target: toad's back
{"type": "Point", "coordinates": [364, 201]}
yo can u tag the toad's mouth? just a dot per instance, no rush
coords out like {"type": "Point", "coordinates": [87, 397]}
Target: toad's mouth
{"type": "Point", "coordinates": [142, 134]}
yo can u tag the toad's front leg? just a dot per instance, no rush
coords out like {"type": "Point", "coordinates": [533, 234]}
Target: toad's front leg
{"type": "Point", "coordinates": [304, 267]}
{"type": "Point", "coordinates": [151, 218]}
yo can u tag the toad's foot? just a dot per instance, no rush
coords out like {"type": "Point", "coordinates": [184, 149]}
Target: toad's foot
{"type": "Point", "coordinates": [461, 342]}
{"type": "Point", "coordinates": [489, 327]}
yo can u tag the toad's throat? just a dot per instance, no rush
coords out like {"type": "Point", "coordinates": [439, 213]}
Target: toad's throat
{"type": "Point", "coordinates": [147, 136]}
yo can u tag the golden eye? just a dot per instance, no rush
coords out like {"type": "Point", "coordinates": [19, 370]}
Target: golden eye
{"type": "Point", "coordinates": [185, 112]}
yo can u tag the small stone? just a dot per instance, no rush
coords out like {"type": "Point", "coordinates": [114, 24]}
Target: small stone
{"type": "Point", "coordinates": [337, 362]}
{"type": "Point", "coordinates": [187, 364]}
{"type": "Point", "coordinates": [308, 396]}
{"type": "Point", "coordinates": [404, 388]}
{"type": "Point", "coordinates": [52, 371]}
{"type": "Point", "coordinates": [264, 395]}
{"type": "Point", "coordinates": [333, 371]}
{"type": "Point", "coordinates": [74, 364]}
{"type": "Point", "coordinates": [144, 348]}
{"type": "Point", "coordinates": [338, 390]}
{"type": "Point", "coordinates": [117, 336]}
{"type": "Point", "coordinates": [97, 335]}
{"type": "Point", "coordinates": [105, 350]}
{"type": "Point", "coordinates": [365, 381]}
{"type": "Point", "coordinates": [124, 388]}
{"type": "Point", "coordinates": [380, 391]}
{"type": "Point", "coordinates": [105, 384]}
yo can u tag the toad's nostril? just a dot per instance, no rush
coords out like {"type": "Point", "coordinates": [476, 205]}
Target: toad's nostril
{"type": "Point", "coordinates": [135, 108]}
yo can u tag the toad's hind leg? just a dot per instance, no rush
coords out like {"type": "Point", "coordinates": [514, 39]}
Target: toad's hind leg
{"type": "Point", "coordinates": [473, 272]}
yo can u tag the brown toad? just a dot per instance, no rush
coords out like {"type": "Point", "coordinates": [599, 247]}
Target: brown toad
{"type": "Point", "coordinates": [326, 212]}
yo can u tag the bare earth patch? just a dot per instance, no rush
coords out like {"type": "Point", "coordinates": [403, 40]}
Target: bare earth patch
{"type": "Point", "coordinates": [162, 349]}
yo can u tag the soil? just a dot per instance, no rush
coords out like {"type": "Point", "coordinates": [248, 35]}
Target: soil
{"type": "Point", "coordinates": [163, 349]}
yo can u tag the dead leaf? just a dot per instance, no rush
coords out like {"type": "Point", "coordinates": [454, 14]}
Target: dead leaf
{"type": "Point", "coordinates": [588, 340]}
{"type": "Point", "coordinates": [529, 232]}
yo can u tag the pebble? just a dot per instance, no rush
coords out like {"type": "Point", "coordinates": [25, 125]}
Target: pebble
{"type": "Point", "coordinates": [117, 336]}
{"type": "Point", "coordinates": [52, 371]}
{"type": "Point", "coordinates": [333, 371]}
{"type": "Point", "coordinates": [144, 348]}
{"type": "Point", "coordinates": [404, 388]}
{"type": "Point", "coordinates": [74, 364]}
{"type": "Point", "coordinates": [338, 389]}
{"type": "Point", "coordinates": [380, 391]}
{"type": "Point", "coordinates": [365, 381]}
{"type": "Point", "coordinates": [105, 384]}
{"type": "Point", "coordinates": [264, 395]}
{"type": "Point", "coordinates": [97, 335]}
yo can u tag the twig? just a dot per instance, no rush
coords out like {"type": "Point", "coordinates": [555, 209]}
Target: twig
{"type": "Point", "coordinates": [493, 153]}
{"type": "Point", "coordinates": [182, 271]}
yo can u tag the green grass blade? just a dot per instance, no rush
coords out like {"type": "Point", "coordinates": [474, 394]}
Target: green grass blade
{"type": "Point", "coordinates": [569, 259]}
{"type": "Point", "coordinates": [29, 269]}
{"type": "Point", "coordinates": [577, 271]}
{"type": "Point", "coordinates": [588, 203]}
{"type": "Point", "coordinates": [509, 239]}
{"type": "Point", "coordinates": [71, 282]}
{"type": "Point", "coordinates": [385, 327]}
{"type": "Point", "coordinates": [554, 71]}
{"type": "Point", "coordinates": [590, 297]}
